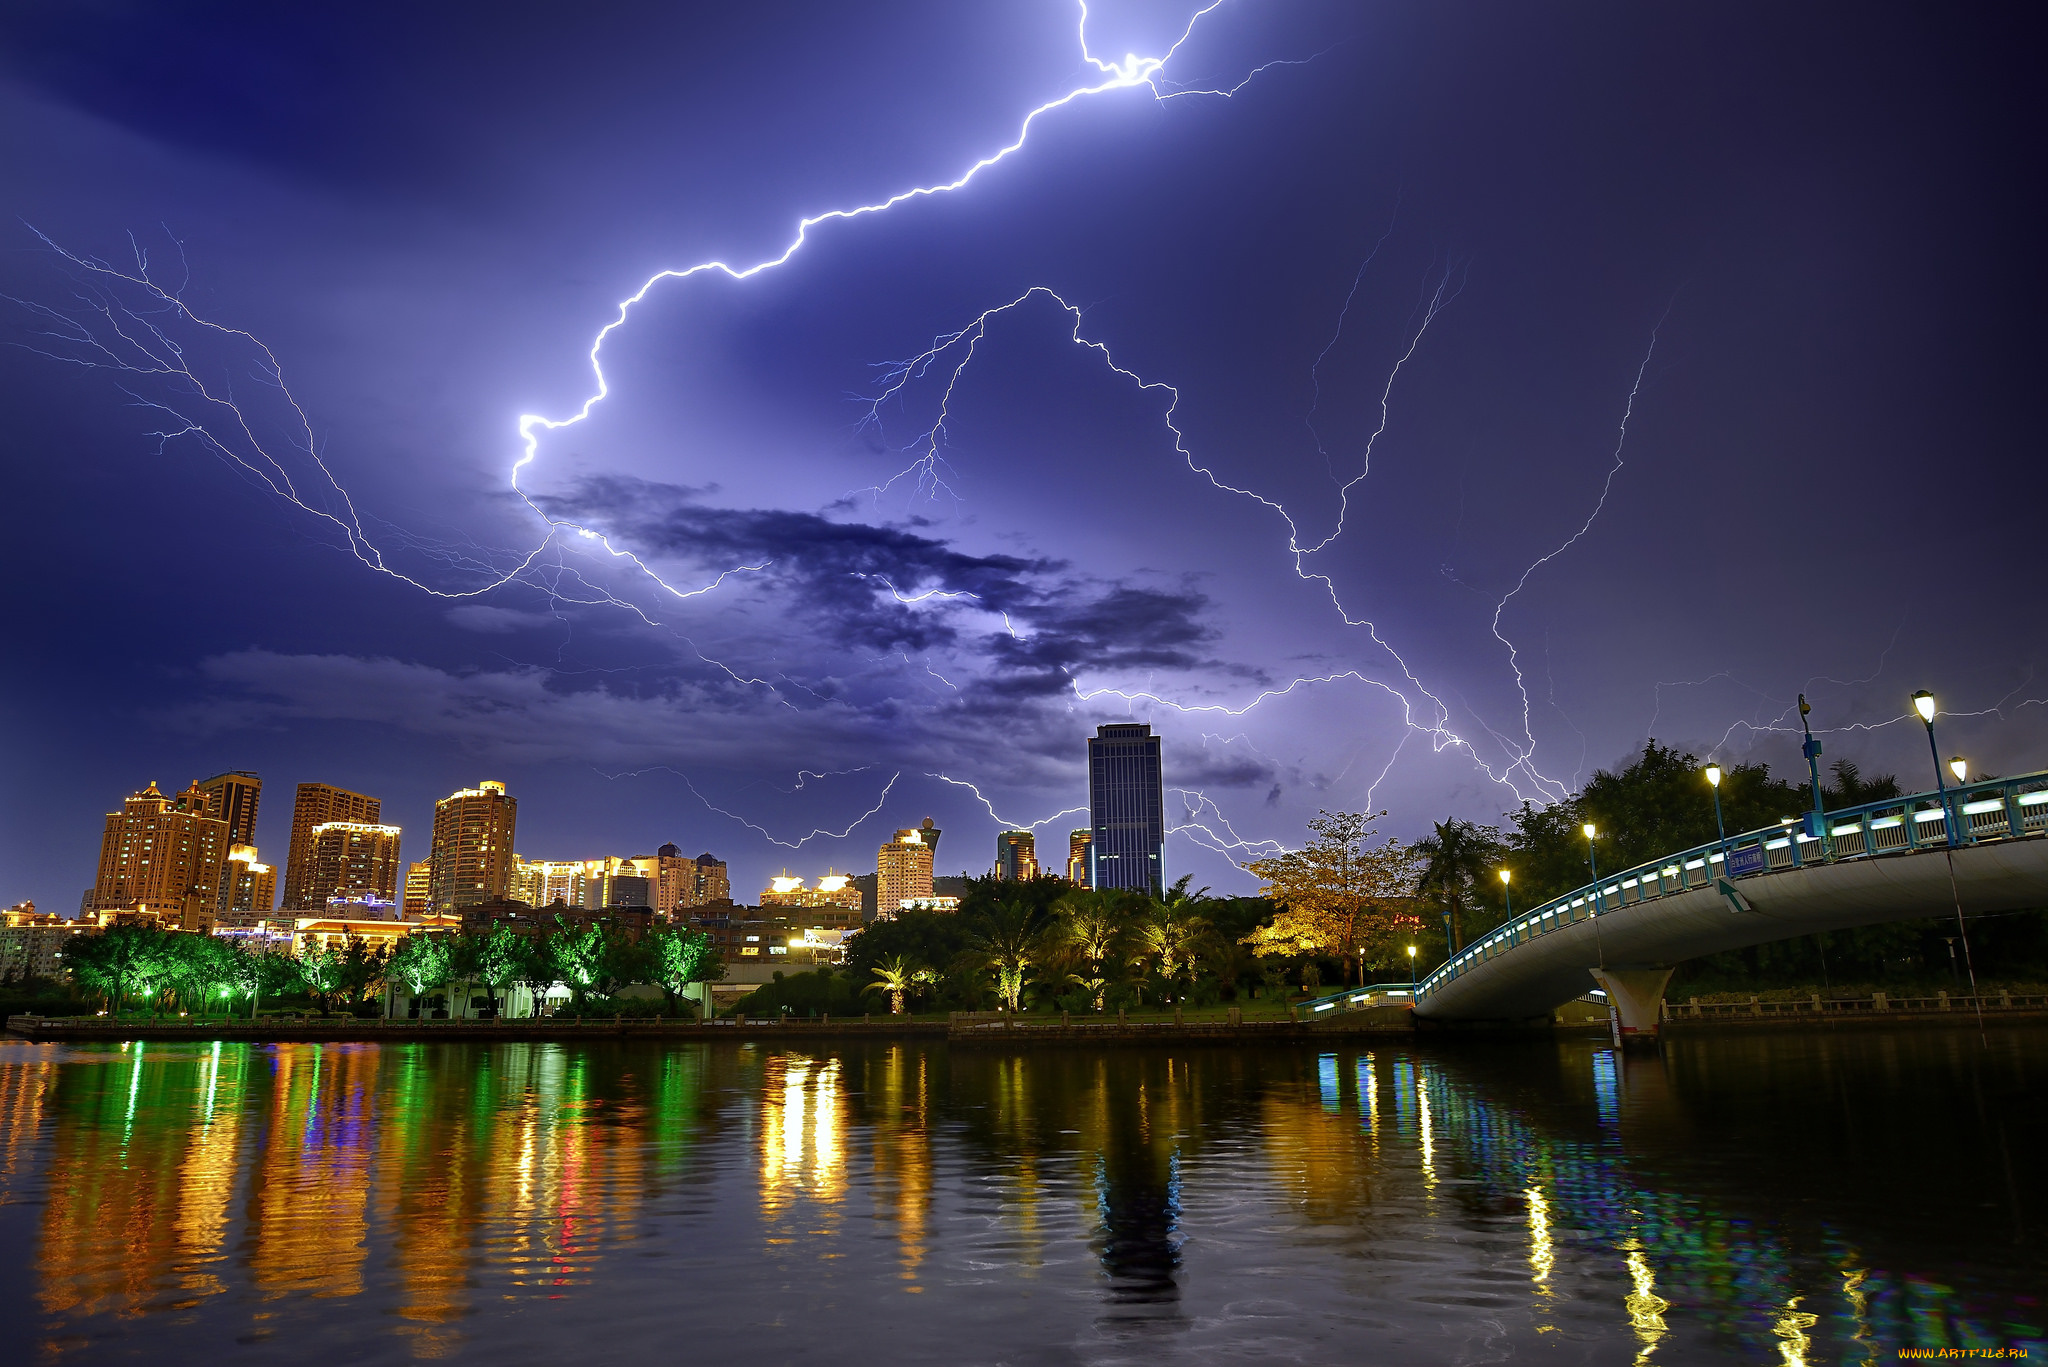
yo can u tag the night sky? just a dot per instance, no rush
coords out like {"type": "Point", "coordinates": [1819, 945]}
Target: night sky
{"type": "Point", "coordinates": [1766, 279]}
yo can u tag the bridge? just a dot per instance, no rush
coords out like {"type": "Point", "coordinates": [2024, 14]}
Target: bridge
{"type": "Point", "coordinates": [1884, 861]}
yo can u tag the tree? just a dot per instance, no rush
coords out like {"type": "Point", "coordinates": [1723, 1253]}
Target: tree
{"type": "Point", "coordinates": [1004, 943]}
{"type": "Point", "coordinates": [680, 956]}
{"type": "Point", "coordinates": [898, 977]}
{"type": "Point", "coordinates": [578, 954]}
{"type": "Point", "coordinates": [494, 959]}
{"type": "Point", "coordinates": [422, 961]}
{"type": "Point", "coordinates": [1173, 931]}
{"type": "Point", "coordinates": [534, 969]}
{"type": "Point", "coordinates": [1088, 927]}
{"type": "Point", "coordinates": [343, 974]}
{"type": "Point", "coordinates": [1339, 895]}
{"type": "Point", "coordinates": [118, 961]}
{"type": "Point", "coordinates": [1458, 856]}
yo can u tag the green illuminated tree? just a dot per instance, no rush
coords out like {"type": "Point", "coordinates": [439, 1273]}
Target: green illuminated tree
{"type": "Point", "coordinates": [680, 956]}
{"type": "Point", "coordinates": [422, 961]}
{"type": "Point", "coordinates": [118, 961]}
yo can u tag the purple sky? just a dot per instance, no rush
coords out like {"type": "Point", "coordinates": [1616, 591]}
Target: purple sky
{"type": "Point", "coordinates": [1798, 252]}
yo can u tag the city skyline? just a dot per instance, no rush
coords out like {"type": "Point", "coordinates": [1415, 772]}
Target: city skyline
{"type": "Point", "coordinates": [1583, 345]}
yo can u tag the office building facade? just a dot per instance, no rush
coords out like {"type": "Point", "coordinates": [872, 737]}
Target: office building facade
{"type": "Point", "coordinates": [1016, 856]}
{"type": "Point", "coordinates": [1077, 858]}
{"type": "Point", "coordinates": [316, 804]}
{"type": "Point", "coordinates": [419, 888]}
{"type": "Point", "coordinates": [903, 871]}
{"type": "Point", "coordinates": [354, 861]}
{"type": "Point", "coordinates": [472, 849]}
{"type": "Point", "coordinates": [252, 889]}
{"type": "Point", "coordinates": [1127, 810]}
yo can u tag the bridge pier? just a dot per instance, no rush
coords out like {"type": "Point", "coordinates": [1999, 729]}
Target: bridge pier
{"type": "Point", "coordinates": [1636, 996]}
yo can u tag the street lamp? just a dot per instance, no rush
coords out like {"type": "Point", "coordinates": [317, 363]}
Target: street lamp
{"type": "Point", "coordinates": [1505, 896]}
{"type": "Point", "coordinates": [1593, 863]}
{"type": "Point", "coordinates": [1923, 703]}
{"type": "Point", "coordinates": [1960, 767]}
{"type": "Point", "coordinates": [1714, 782]}
{"type": "Point", "coordinates": [1411, 971]}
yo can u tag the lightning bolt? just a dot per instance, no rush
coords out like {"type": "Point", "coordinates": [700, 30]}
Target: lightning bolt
{"type": "Point", "coordinates": [755, 826]}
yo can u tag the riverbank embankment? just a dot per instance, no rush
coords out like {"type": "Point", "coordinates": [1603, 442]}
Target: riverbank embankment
{"type": "Point", "coordinates": [967, 1028]}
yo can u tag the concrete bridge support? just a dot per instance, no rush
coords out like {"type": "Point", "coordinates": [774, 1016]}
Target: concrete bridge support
{"type": "Point", "coordinates": [1637, 998]}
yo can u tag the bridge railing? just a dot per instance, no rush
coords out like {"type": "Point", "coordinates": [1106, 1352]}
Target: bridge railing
{"type": "Point", "coordinates": [1358, 998]}
{"type": "Point", "coordinates": [1994, 809]}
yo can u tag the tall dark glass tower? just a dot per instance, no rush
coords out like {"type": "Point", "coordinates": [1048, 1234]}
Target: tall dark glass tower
{"type": "Point", "coordinates": [1127, 806]}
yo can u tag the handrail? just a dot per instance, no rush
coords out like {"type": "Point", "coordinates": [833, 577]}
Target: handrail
{"type": "Point", "coordinates": [1357, 996]}
{"type": "Point", "coordinates": [1994, 809]}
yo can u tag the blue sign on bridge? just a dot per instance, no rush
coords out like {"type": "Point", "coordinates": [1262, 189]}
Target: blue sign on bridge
{"type": "Point", "coordinates": [1745, 859]}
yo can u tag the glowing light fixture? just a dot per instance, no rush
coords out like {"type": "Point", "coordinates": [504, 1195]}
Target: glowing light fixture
{"type": "Point", "coordinates": [1588, 829]}
{"type": "Point", "coordinates": [1960, 767]}
{"type": "Point", "coordinates": [1923, 703]}
{"type": "Point", "coordinates": [1714, 774]}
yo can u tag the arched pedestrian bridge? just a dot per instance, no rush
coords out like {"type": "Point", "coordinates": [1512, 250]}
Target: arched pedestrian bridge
{"type": "Point", "coordinates": [1884, 861]}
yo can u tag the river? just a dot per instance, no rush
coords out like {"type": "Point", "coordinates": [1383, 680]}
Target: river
{"type": "Point", "coordinates": [1773, 1197]}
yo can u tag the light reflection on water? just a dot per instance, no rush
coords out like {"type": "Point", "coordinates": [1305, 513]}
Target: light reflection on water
{"type": "Point", "coordinates": [1780, 1199]}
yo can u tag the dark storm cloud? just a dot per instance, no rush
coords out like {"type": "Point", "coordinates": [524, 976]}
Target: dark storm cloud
{"type": "Point", "coordinates": [848, 580]}
{"type": "Point", "coordinates": [1123, 629]}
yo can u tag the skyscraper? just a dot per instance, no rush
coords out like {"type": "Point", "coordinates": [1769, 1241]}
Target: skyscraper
{"type": "Point", "coordinates": [232, 797]}
{"type": "Point", "coordinates": [419, 888]}
{"type": "Point", "coordinates": [903, 870]}
{"type": "Point", "coordinates": [1016, 856]}
{"type": "Point", "coordinates": [158, 852]}
{"type": "Point", "coordinates": [472, 849]}
{"type": "Point", "coordinates": [1077, 857]}
{"type": "Point", "coordinates": [252, 888]}
{"type": "Point", "coordinates": [354, 860]}
{"type": "Point", "coordinates": [1127, 806]}
{"type": "Point", "coordinates": [315, 805]}
{"type": "Point", "coordinates": [704, 880]}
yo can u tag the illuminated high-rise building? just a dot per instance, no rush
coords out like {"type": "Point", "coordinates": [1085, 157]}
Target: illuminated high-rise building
{"type": "Point", "coordinates": [316, 804]}
{"type": "Point", "coordinates": [833, 890]}
{"type": "Point", "coordinates": [682, 882]}
{"type": "Point", "coordinates": [472, 849]}
{"type": "Point", "coordinates": [160, 852]}
{"type": "Point", "coordinates": [353, 861]}
{"type": "Point", "coordinates": [698, 882]}
{"type": "Point", "coordinates": [419, 888]}
{"type": "Point", "coordinates": [1127, 810]}
{"type": "Point", "coordinates": [252, 888]}
{"type": "Point", "coordinates": [903, 872]}
{"type": "Point", "coordinates": [1077, 857]}
{"type": "Point", "coordinates": [232, 797]}
{"type": "Point", "coordinates": [1016, 856]}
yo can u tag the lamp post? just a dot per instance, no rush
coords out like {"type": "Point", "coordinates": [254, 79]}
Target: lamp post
{"type": "Point", "coordinates": [1923, 703]}
{"type": "Point", "coordinates": [1720, 826]}
{"type": "Point", "coordinates": [1812, 752]}
{"type": "Point", "coordinates": [1593, 863]}
{"type": "Point", "coordinates": [1412, 980]}
{"type": "Point", "coordinates": [1960, 767]}
{"type": "Point", "coordinates": [1506, 896]}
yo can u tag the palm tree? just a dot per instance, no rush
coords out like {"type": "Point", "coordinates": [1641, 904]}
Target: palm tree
{"type": "Point", "coordinates": [1007, 944]}
{"type": "Point", "coordinates": [1089, 928]}
{"type": "Point", "coordinates": [1457, 856]}
{"type": "Point", "coordinates": [1176, 931]}
{"type": "Point", "coordinates": [897, 977]}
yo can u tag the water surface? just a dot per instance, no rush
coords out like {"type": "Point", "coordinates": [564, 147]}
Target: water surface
{"type": "Point", "coordinates": [1779, 1198]}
